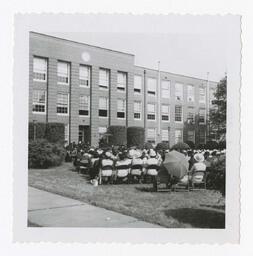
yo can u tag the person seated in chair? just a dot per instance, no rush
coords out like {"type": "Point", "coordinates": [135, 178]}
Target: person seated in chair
{"type": "Point", "coordinates": [199, 166]}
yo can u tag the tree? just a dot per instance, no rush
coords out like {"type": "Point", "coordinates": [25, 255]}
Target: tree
{"type": "Point", "coordinates": [218, 115]}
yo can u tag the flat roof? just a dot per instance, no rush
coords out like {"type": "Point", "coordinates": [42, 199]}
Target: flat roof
{"type": "Point", "coordinates": [80, 43]}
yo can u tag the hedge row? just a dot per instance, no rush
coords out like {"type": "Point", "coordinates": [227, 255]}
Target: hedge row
{"type": "Point", "coordinates": [52, 132]}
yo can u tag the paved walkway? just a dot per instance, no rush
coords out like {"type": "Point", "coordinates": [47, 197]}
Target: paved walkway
{"type": "Point", "coordinates": [50, 210]}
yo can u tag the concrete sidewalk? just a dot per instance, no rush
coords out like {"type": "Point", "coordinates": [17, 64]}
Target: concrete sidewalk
{"type": "Point", "coordinates": [50, 210]}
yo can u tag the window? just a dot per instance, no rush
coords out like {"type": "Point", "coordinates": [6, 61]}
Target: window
{"type": "Point", "coordinates": [151, 112]}
{"type": "Point", "coordinates": [191, 115]}
{"type": "Point", "coordinates": [211, 96]}
{"type": "Point", "coordinates": [190, 93]}
{"type": "Point", "coordinates": [137, 84]}
{"type": "Point", "coordinates": [101, 131]}
{"type": "Point", "coordinates": [103, 107]}
{"type": "Point", "coordinates": [103, 78]}
{"type": "Point", "coordinates": [202, 114]}
{"type": "Point", "coordinates": [178, 136]}
{"type": "Point", "coordinates": [202, 137]}
{"type": "Point", "coordinates": [165, 135]}
{"type": "Point", "coordinates": [178, 91]}
{"type": "Point", "coordinates": [84, 105]}
{"type": "Point", "coordinates": [151, 135]}
{"type": "Point", "coordinates": [165, 113]}
{"type": "Point", "coordinates": [166, 89]}
{"type": "Point", "coordinates": [63, 72]}
{"type": "Point", "coordinates": [121, 108]}
{"type": "Point", "coordinates": [151, 86]}
{"type": "Point", "coordinates": [191, 136]}
{"type": "Point", "coordinates": [121, 81]}
{"type": "Point", "coordinates": [66, 133]}
{"type": "Point", "coordinates": [137, 110]}
{"type": "Point", "coordinates": [39, 101]}
{"type": "Point", "coordinates": [84, 76]}
{"type": "Point", "coordinates": [178, 114]}
{"type": "Point", "coordinates": [39, 69]}
{"type": "Point", "coordinates": [202, 95]}
{"type": "Point", "coordinates": [62, 103]}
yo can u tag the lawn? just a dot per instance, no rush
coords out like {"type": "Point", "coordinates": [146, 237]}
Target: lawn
{"type": "Point", "coordinates": [181, 209]}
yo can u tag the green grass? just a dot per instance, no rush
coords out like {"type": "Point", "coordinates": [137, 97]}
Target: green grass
{"type": "Point", "coordinates": [181, 209]}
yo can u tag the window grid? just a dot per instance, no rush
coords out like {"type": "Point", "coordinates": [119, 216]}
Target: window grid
{"type": "Point", "coordinates": [151, 112]}
{"type": "Point", "coordinates": [178, 114]}
{"type": "Point", "coordinates": [39, 101]}
{"type": "Point", "coordinates": [63, 72]}
{"type": "Point", "coordinates": [202, 137]}
{"type": "Point", "coordinates": [202, 95]}
{"type": "Point", "coordinates": [151, 135]}
{"type": "Point", "coordinates": [84, 76]}
{"type": "Point", "coordinates": [39, 69]}
{"type": "Point", "coordinates": [190, 93]}
{"type": "Point", "coordinates": [191, 136]}
{"type": "Point", "coordinates": [202, 114]}
{"type": "Point", "coordinates": [103, 107]}
{"type": "Point", "coordinates": [165, 135]}
{"type": "Point", "coordinates": [178, 136]}
{"type": "Point", "coordinates": [137, 110]}
{"type": "Point", "coordinates": [62, 103]}
{"type": "Point", "coordinates": [121, 109]}
{"type": "Point", "coordinates": [84, 105]}
{"type": "Point", "coordinates": [165, 113]}
{"type": "Point", "coordinates": [104, 78]}
{"type": "Point", "coordinates": [137, 84]}
{"type": "Point", "coordinates": [178, 91]}
{"type": "Point", "coordinates": [151, 87]}
{"type": "Point", "coordinates": [165, 89]}
{"type": "Point", "coordinates": [121, 81]}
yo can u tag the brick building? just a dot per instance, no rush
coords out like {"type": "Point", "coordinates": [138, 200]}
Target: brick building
{"type": "Point", "coordinates": [90, 88]}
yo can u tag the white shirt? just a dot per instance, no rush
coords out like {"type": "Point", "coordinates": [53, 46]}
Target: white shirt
{"type": "Point", "coordinates": [200, 166]}
{"type": "Point", "coordinates": [106, 162]}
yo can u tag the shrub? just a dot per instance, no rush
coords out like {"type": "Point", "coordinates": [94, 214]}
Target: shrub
{"type": "Point", "coordinates": [163, 146]}
{"type": "Point", "coordinates": [52, 132]}
{"type": "Point", "coordinates": [148, 145]}
{"type": "Point", "coordinates": [43, 154]}
{"type": "Point", "coordinates": [191, 144]}
{"type": "Point", "coordinates": [119, 136]}
{"type": "Point", "coordinates": [180, 146]}
{"type": "Point", "coordinates": [211, 145]}
{"type": "Point", "coordinates": [135, 136]}
{"type": "Point", "coordinates": [216, 176]}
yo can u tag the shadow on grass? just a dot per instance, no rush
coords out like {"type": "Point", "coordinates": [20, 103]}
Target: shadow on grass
{"type": "Point", "coordinates": [145, 189]}
{"type": "Point", "coordinates": [218, 207]}
{"type": "Point", "coordinates": [198, 218]}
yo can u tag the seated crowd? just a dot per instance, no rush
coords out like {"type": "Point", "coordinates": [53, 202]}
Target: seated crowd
{"type": "Point", "coordinates": [121, 162]}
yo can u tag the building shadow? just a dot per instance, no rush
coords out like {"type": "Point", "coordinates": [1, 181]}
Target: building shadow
{"type": "Point", "coordinates": [198, 218]}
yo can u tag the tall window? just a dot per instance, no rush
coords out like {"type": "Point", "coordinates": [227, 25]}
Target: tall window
{"type": "Point", "coordinates": [190, 93]}
{"type": "Point", "coordinates": [63, 72]}
{"type": "Point", "coordinates": [137, 84]}
{"type": "Point", "coordinates": [178, 114]}
{"type": "Point", "coordinates": [165, 113]}
{"type": "Point", "coordinates": [151, 86]}
{"type": "Point", "coordinates": [151, 111]}
{"type": "Point", "coordinates": [39, 101]}
{"type": "Point", "coordinates": [39, 69]}
{"type": "Point", "coordinates": [191, 136]}
{"type": "Point", "coordinates": [84, 76]}
{"type": "Point", "coordinates": [165, 135]}
{"type": "Point", "coordinates": [191, 115]}
{"type": "Point", "coordinates": [66, 133]}
{"type": "Point", "coordinates": [104, 78]}
{"type": "Point", "coordinates": [178, 135]}
{"type": "Point", "coordinates": [103, 107]}
{"type": "Point", "coordinates": [202, 137]}
{"type": "Point", "coordinates": [202, 114]}
{"type": "Point", "coordinates": [62, 103]}
{"type": "Point", "coordinates": [202, 95]}
{"type": "Point", "coordinates": [121, 108]}
{"type": "Point", "coordinates": [178, 91]}
{"type": "Point", "coordinates": [151, 135]}
{"type": "Point", "coordinates": [137, 110]}
{"type": "Point", "coordinates": [165, 89]}
{"type": "Point", "coordinates": [121, 81]}
{"type": "Point", "coordinates": [84, 105]}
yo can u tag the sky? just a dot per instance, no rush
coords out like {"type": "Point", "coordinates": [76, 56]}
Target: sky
{"type": "Point", "coordinates": [188, 53]}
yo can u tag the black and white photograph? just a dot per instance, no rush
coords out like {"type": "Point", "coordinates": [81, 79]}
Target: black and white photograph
{"type": "Point", "coordinates": [131, 129]}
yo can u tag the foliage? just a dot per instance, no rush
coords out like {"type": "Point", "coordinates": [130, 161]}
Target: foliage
{"type": "Point", "coordinates": [180, 146]}
{"type": "Point", "coordinates": [148, 145]}
{"type": "Point", "coordinates": [163, 146]}
{"type": "Point", "coordinates": [52, 132]}
{"type": "Point", "coordinates": [43, 154]}
{"type": "Point", "coordinates": [119, 136]}
{"type": "Point", "coordinates": [216, 177]}
{"type": "Point", "coordinates": [135, 136]}
{"type": "Point", "coordinates": [218, 115]}
{"type": "Point", "coordinates": [212, 145]}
